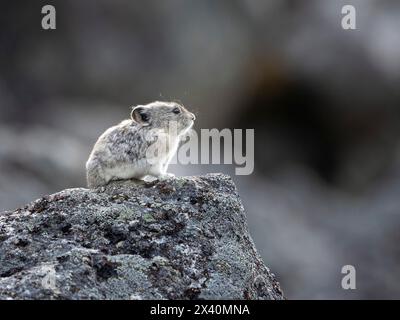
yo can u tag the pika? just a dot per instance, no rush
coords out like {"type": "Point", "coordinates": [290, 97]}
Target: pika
{"type": "Point", "coordinates": [141, 146]}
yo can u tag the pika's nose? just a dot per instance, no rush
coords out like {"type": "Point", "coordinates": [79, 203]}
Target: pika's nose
{"type": "Point", "coordinates": [192, 116]}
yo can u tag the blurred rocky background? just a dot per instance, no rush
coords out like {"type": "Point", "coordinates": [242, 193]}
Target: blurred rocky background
{"type": "Point", "coordinates": [324, 103]}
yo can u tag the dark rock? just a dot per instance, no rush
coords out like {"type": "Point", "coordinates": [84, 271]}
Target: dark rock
{"type": "Point", "coordinates": [184, 238]}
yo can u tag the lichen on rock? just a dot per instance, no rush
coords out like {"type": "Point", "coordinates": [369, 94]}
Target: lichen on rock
{"type": "Point", "coordinates": [181, 238]}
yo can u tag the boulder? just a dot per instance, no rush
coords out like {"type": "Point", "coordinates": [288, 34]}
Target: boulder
{"type": "Point", "coordinates": [181, 238]}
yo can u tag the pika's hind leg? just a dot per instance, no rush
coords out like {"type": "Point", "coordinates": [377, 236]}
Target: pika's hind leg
{"type": "Point", "coordinates": [95, 175]}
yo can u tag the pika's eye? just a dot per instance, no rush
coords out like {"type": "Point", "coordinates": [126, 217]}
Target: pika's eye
{"type": "Point", "coordinates": [176, 110]}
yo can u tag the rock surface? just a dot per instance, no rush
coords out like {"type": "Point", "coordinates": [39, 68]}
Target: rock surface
{"type": "Point", "coordinates": [183, 238]}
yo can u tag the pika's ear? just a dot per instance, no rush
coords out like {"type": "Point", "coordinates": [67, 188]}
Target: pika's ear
{"type": "Point", "coordinates": [139, 115]}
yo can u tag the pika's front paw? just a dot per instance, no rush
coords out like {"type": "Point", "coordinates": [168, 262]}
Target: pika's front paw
{"type": "Point", "coordinates": [160, 177]}
{"type": "Point", "coordinates": [166, 176]}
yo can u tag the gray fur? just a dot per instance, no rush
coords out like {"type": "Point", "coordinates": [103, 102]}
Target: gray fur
{"type": "Point", "coordinates": [121, 152]}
